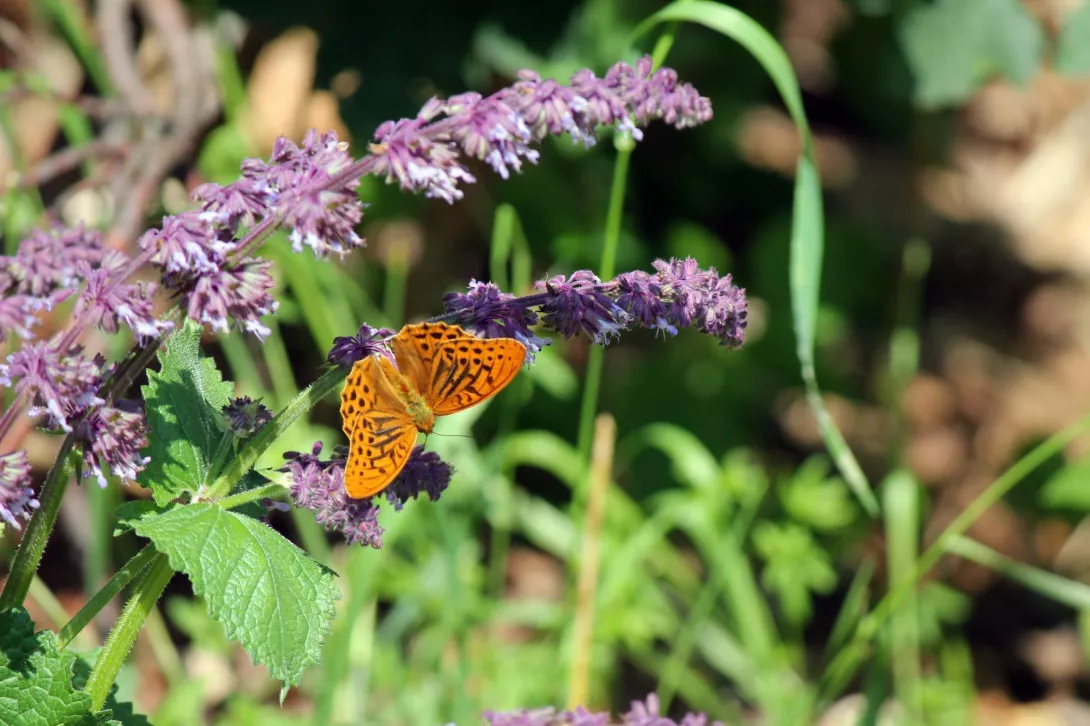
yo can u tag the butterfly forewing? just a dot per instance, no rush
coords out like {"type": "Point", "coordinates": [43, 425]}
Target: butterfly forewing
{"type": "Point", "coordinates": [415, 348]}
{"type": "Point", "coordinates": [466, 371]}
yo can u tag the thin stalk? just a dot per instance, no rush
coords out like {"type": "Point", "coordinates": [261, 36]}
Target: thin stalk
{"type": "Point", "coordinates": [29, 554]}
{"type": "Point", "coordinates": [269, 491]}
{"type": "Point", "coordinates": [100, 599]}
{"type": "Point", "coordinates": [125, 630]}
{"type": "Point", "coordinates": [850, 658]}
{"type": "Point", "coordinates": [279, 365]}
{"type": "Point", "coordinates": [606, 269]}
{"type": "Point", "coordinates": [601, 472]}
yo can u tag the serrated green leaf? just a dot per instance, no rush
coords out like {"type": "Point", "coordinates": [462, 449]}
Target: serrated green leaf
{"type": "Point", "coordinates": [269, 594]}
{"type": "Point", "coordinates": [184, 400]}
{"type": "Point", "coordinates": [129, 512]}
{"type": "Point", "coordinates": [953, 46]}
{"type": "Point", "coordinates": [36, 685]}
{"type": "Point", "coordinates": [1072, 50]}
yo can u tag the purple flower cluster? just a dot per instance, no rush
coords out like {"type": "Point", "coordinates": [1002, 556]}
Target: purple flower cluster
{"type": "Point", "coordinates": [318, 485]}
{"type": "Point", "coordinates": [16, 496]}
{"type": "Point", "coordinates": [641, 713]}
{"type": "Point", "coordinates": [52, 265]}
{"type": "Point", "coordinates": [64, 389]}
{"type": "Point", "coordinates": [425, 153]}
{"type": "Point", "coordinates": [347, 349]}
{"type": "Point", "coordinates": [486, 311]}
{"type": "Point", "coordinates": [203, 254]}
{"type": "Point", "coordinates": [678, 294]}
{"type": "Point", "coordinates": [245, 416]}
{"type": "Point", "coordinates": [580, 304]}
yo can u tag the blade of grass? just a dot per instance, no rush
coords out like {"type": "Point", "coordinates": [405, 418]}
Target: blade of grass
{"type": "Point", "coordinates": [843, 667]}
{"type": "Point", "coordinates": [807, 225]}
{"type": "Point", "coordinates": [1068, 592]}
{"type": "Point", "coordinates": [901, 510]}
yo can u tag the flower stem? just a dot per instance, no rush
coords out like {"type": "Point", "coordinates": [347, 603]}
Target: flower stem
{"type": "Point", "coordinates": [256, 446]}
{"type": "Point", "coordinates": [29, 554]}
{"type": "Point", "coordinates": [125, 630]}
{"type": "Point", "coordinates": [99, 600]}
{"type": "Point", "coordinates": [237, 500]}
{"type": "Point", "coordinates": [606, 270]}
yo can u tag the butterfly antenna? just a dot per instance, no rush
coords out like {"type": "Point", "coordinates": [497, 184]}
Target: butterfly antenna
{"type": "Point", "coordinates": [453, 436]}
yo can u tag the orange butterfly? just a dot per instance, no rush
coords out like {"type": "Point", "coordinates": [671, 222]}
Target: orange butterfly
{"type": "Point", "coordinates": [441, 369]}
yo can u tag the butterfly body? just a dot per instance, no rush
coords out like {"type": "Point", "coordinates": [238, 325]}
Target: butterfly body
{"type": "Point", "coordinates": [441, 369]}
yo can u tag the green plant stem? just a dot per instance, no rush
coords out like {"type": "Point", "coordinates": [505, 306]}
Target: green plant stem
{"type": "Point", "coordinates": [606, 268]}
{"type": "Point", "coordinates": [269, 491]}
{"type": "Point", "coordinates": [259, 444]}
{"type": "Point", "coordinates": [99, 600]}
{"type": "Point", "coordinates": [125, 630]}
{"type": "Point", "coordinates": [844, 666]}
{"type": "Point", "coordinates": [29, 554]}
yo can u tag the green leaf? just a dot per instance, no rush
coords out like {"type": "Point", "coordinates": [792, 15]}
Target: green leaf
{"type": "Point", "coordinates": [269, 594]}
{"type": "Point", "coordinates": [953, 46]}
{"type": "Point", "coordinates": [813, 499]}
{"type": "Point", "coordinates": [131, 511]}
{"type": "Point", "coordinates": [184, 400]}
{"type": "Point", "coordinates": [36, 685]}
{"type": "Point", "coordinates": [795, 566]}
{"type": "Point", "coordinates": [1072, 50]}
{"type": "Point", "coordinates": [1069, 488]}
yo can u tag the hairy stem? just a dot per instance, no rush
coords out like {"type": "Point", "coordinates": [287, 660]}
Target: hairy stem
{"type": "Point", "coordinates": [125, 630]}
{"type": "Point", "coordinates": [38, 529]}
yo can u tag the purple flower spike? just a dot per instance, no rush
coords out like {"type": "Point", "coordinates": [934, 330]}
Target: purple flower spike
{"type": "Point", "coordinates": [347, 349]}
{"type": "Point", "coordinates": [486, 311]}
{"type": "Point", "coordinates": [578, 304]}
{"type": "Point", "coordinates": [16, 495]}
{"type": "Point", "coordinates": [108, 303]}
{"type": "Point", "coordinates": [424, 472]}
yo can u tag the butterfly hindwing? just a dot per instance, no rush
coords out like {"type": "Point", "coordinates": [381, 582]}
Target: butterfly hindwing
{"type": "Point", "coordinates": [380, 432]}
{"type": "Point", "coordinates": [467, 371]}
{"type": "Point", "coordinates": [380, 444]}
